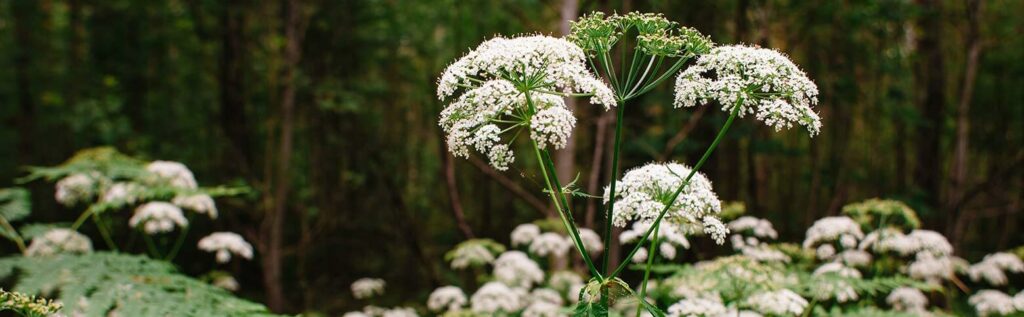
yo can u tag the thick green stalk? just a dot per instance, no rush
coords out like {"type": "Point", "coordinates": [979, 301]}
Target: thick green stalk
{"type": "Point", "coordinates": [177, 244]}
{"type": "Point", "coordinates": [647, 270]}
{"type": "Point", "coordinates": [153, 251]}
{"type": "Point", "coordinates": [686, 181]}
{"type": "Point", "coordinates": [569, 226]}
{"type": "Point", "coordinates": [14, 234]}
{"type": "Point", "coordinates": [619, 116]}
{"type": "Point", "coordinates": [103, 232]}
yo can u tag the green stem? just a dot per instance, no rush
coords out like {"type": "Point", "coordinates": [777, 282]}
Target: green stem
{"type": "Point", "coordinates": [686, 181]}
{"type": "Point", "coordinates": [177, 244]}
{"type": "Point", "coordinates": [615, 176]}
{"type": "Point", "coordinates": [810, 308]}
{"type": "Point", "coordinates": [647, 270]}
{"type": "Point", "coordinates": [81, 219]}
{"type": "Point", "coordinates": [15, 236]}
{"type": "Point", "coordinates": [608, 70]}
{"type": "Point", "coordinates": [153, 251]}
{"type": "Point", "coordinates": [554, 194]}
{"type": "Point", "coordinates": [103, 232]}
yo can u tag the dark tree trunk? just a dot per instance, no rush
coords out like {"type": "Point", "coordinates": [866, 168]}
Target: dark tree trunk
{"type": "Point", "coordinates": [233, 116]}
{"type": "Point", "coordinates": [24, 12]}
{"type": "Point", "coordinates": [958, 166]}
{"type": "Point", "coordinates": [931, 80]}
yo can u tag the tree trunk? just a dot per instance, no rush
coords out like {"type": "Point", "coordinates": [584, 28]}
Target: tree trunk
{"type": "Point", "coordinates": [24, 12]}
{"type": "Point", "coordinates": [958, 166]}
{"type": "Point", "coordinates": [232, 88]}
{"type": "Point", "coordinates": [272, 258]}
{"type": "Point", "coordinates": [448, 173]}
{"type": "Point", "coordinates": [565, 159]}
{"type": "Point", "coordinates": [931, 81]}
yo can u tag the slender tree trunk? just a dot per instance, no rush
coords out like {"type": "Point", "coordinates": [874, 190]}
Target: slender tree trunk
{"type": "Point", "coordinates": [565, 159]}
{"type": "Point", "coordinates": [958, 166]}
{"type": "Point", "coordinates": [931, 79]}
{"type": "Point", "coordinates": [594, 179]}
{"type": "Point", "coordinates": [448, 173]}
{"type": "Point", "coordinates": [233, 116]}
{"type": "Point", "coordinates": [273, 257]}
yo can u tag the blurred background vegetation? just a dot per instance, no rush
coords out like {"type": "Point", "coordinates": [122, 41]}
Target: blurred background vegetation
{"type": "Point", "coordinates": [327, 110]}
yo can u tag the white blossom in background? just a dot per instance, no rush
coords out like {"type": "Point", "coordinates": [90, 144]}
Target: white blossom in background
{"type": "Point", "coordinates": [854, 257]}
{"type": "Point", "coordinates": [932, 269]}
{"type": "Point", "coordinates": [467, 254]}
{"type": "Point", "coordinates": [59, 240]}
{"type": "Point", "coordinates": [760, 228]}
{"type": "Point", "coordinates": [644, 191]}
{"type": "Point", "coordinates": [174, 173]}
{"type": "Point", "coordinates": [524, 234]}
{"type": "Point", "coordinates": [543, 309]}
{"type": "Point", "coordinates": [514, 83]}
{"type": "Point", "coordinates": [732, 312]}
{"type": "Point", "coordinates": [573, 294]}
{"type": "Point", "coordinates": [763, 253]}
{"type": "Point", "coordinates": [494, 298]}
{"type": "Point", "coordinates": [157, 217]}
{"type": "Point", "coordinates": [355, 314]}
{"type": "Point", "coordinates": [782, 302]}
{"type": "Point", "coordinates": [545, 295]}
{"type": "Point", "coordinates": [223, 244]}
{"type": "Point", "coordinates": [199, 203]}
{"type": "Point", "coordinates": [77, 188]}
{"type": "Point", "coordinates": [121, 193]}
{"type": "Point", "coordinates": [993, 268]}
{"type": "Point", "coordinates": [550, 244]}
{"type": "Point", "coordinates": [592, 241]}
{"type": "Point", "coordinates": [669, 238]}
{"type": "Point", "coordinates": [367, 287]}
{"type": "Point", "coordinates": [840, 230]}
{"type": "Point", "coordinates": [763, 82]}
{"type": "Point", "coordinates": [840, 290]}
{"type": "Point", "coordinates": [225, 281]}
{"type": "Point", "coordinates": [907, 299]}
{"type": "Point", "coordinates": [446, 298]}
{"type": "Point", "coordinates": [699, 306]}
{"type": "Point", "coordinates": [993, 302]}
{"type": "Point", "coordinates": [564, 280]}
{"type": "Point", "coordinates": [399, 312]}
{"type": "Point", "coordinates": [516, 269]}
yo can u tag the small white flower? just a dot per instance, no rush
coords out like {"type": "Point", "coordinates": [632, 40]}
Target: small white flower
{"type": "Point", "coordinates": [668, 236]}
{"type": "Point", "coordinates": [564, 280]}
{"type": "Point", "coordinates": [989, 302]}
{"type": "Point", "coordinates": [833, 229]}
{"type": "Point", "coordinates": [158, 217]}
{"type": "Point", "coordinates": [761, 82]}
{"type": "Point", "coordinates": [524, 234]}
{"type": "Point", "coordinates": [174, 173]}
{"type": "Point", "coordinates": [494, 298]}
{"type": "Point", "coordinates": [367, 287]}
{"type": "Point", "coordinates": [700, 306]}
{"type": "Point", "coordinates": [224, 244]}
{"type": "Point", "coordinates": [545, 295]}
{"type": "Point", "coordinates": [760, 228]}
{"type": "Point", "coordinates": [516, 269]}
{"type": "Point", "coordinates": [122, 193]}
{"type": "Point", "coordinates": [543, 309]}
{"type": "Point", "coordinates": [591, 241]}
{"type": "Point", "coordinates": [907, 299]}
{"type": "Point", "coordinates": [399, 312]}
{"type": "Point", "coordinates": [59, 240]}
{"type": "Point", "coordinates": [77, 188]}
{"type": "Point", "coordinates": [550, 244]}
{"type": "Point", "coordinates": [994, 266]}
{"type": "Point", "coordinates": [199, 203]}
{"type": "Point", "coordinates": [782, 302]}
{"type": "Point", "coordinates": [472, 253]}
{"type": "Point", "coordinates": [446, 298]}
{"type": "Point", "coordinates": [930, 268]}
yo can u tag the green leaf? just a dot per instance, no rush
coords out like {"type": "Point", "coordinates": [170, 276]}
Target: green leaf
{"type": "Point", "coordinates": [14, 203]}
{"type": "Point", "coordinates": [654, 310]}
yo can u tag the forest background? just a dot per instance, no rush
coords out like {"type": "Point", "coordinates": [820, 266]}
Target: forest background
{"type": "Point", "coordinates": [327, 111]}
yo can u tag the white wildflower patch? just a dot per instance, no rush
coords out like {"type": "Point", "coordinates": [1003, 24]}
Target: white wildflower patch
{"type": "Point", "coordinates": [224, 244]}
{"type": "Point", "coordinates": [993, 268]}
{"type": "Point", "coordinates": [782, 302]}
{"type": "Point", "coordinates": [173, 173]}
{"type": "Point", "coordinates": [840, 290]}
{"type": "Point", "coordinates": [122, 193]}
{"type": "Point", "coordinates": [907, 299]}
{"type": "Point", "coordinates": [524, 234]}
{"type": "Point", "coordinates": [367, 287]}
{"type": "Point", "coordinates": [762, 82]}
{"type": "Point", "coordinates": [446, 298]}
{"type": "Point", "coordinates": [157, 217]}
{"type": "Point", "coordinates": [753, 226]}
{"type": "Point", "coordinates": [643, 192]}
{"type": "Point", "coordinates": [516, 269]}
{"type": "Point", "coordinates": [77, 188]}
{"type": "Point", "coordinates": [563, 281]}
{"type": "Point", "coordinates": [992, 302]}
{"type": "Point", "coordinates": [841, 231]}
{"type": "Point", "coordinates": [399, 312]}
{"type": "Point", "coordinates": [550, 244]}
{"type": "Point", "coordinates": [199, 203]}
{"type": "Point", "coordinates": [592, 241]}
{"type": "Point", "coordinates": [699, 306]}
{"type": "Point", "coordinates": [669, 238]}
{"type": "Point", "coordinates": [932, 269]}
{"type": "Point", "coordinates": [59, 240]}
{"type": "Point", "coordinates": [495, 298]}
{"type": "Point", "coordinates": [473, 253]}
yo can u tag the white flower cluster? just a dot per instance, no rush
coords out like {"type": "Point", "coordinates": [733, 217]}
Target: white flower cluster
{"type": "Point", "coordinates": [446, 298]}
{"type": "Point", "coordinates": [199, 203]}
{"type": "Point", "coordinates": [669, 238]}
{"type": "Point", "coordinates": [173, 173]}
{"type": "Point", "coordinates": [697, 306]}
{"type": "Point", "coordinates": [367, 287]}
{"type": "Point", "coordinates": [158, 217]}
{"type": "Point", "coordinates": [994, 266]}
{"type": "Point", "coordinates": [515, 83]}
{"type": "Point", "coordinates": [494, 298]}
{"type": "Point", "coordinates": [224, 244]}
{"type": "Point", "coordinates": [840, 229]}
{"type": "Point", "coordinates": [592, 241]}
{"type": "Point", "coordinates": [782, 302]}
{"type": "Point", "coordinates": [77, 188]}
{"type": "Point", "coordinates": [907, 299]}
{"type": "Point", "coordinates": [993, 302]}
{"type": "Point", "coordinates": [516, 269]}
{"type": "Point", "coordinates": [644, 191]}
{"type": "Point", "coordinates": [57, 241]}
{"type": "Point", "coordinates": [524, 234]}
{"type": "Point", "coordinates": [470, 254]}
{"type": "Point", "coordinates": [842, 291]}
{"type": "Point", "coordinates": [758, 228]}
{"type": "Point", "coordinates": [933, 269]}
{"type": "Point", "coordinates": [565, 281]}
{"type": "Point", "coordinates": [550, 244]}
{"type": "Point", "coordinates": [760, 81]}
{"type": "Point", "coordinates": [121, 193]}
{"type": "Point", "coordinates": [374, 311]}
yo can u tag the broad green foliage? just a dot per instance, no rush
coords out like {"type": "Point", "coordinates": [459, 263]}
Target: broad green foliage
{"type": "Point", "coordinates": [877, 213]}
{"type": "Point", "coordinates": [102, 283]}
{"type": "Point", "coordinates": [14, 205]}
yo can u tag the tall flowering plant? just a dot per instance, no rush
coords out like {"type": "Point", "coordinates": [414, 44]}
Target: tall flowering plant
{"type": "Point", "coordinates": [508, 87]}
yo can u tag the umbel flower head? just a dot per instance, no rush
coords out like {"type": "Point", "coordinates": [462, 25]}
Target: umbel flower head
{"type": "Point", "coordinates": [513, 84]}
{"type": "Point", "coordinates": [367, 287]}
{"type": "Point", "coordinates": [643, 192]}
{"type": "Point", "coordinates": [59, 240]}
{"type": "Point", "coordinates": [759, 81]}
{"type": "Point", "coordinates": [224, 244]}
{"type": "Point", "coordinates": [446, 298]}
{"type": "Point", "coordinates": [158, 217]}
{"type": "Point", "coordinates": [656, 35]}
